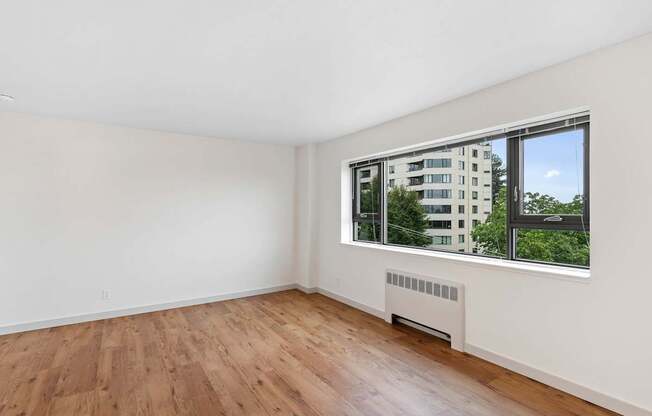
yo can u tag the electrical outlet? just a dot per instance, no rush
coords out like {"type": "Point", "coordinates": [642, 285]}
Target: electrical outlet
{"type": "Point", "coordinates": [105, 294]}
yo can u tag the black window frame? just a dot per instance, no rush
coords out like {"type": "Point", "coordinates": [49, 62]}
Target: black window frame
{"type": "Point", "coordinates": [367, 218]}
{"type": "Point", "coordinates": [515, 179]}
{"type": "Point", "coordinates": [515, 219]}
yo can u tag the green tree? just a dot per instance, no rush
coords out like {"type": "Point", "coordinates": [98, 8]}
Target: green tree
{"type": "Point", "coordinates": [491, 236]}
{"type": "Point", "coordinates": [370, 204]}
{"type": "Point", "coordinates": [498, 176]}
{"type": "Point", "coordinates": [406, 218]}
{"type": "Point", "coordinates": [567, 247]}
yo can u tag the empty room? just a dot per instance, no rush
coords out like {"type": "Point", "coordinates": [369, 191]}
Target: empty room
{"type": "Point", "coordinates": [325, 208]}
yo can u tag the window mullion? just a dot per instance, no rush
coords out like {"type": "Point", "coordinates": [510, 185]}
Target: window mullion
{"type": "Point", "coordinates": [384, 185]}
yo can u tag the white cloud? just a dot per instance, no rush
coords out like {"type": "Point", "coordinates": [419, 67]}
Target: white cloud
{"type": "Point", "coordinates": [552, 173]}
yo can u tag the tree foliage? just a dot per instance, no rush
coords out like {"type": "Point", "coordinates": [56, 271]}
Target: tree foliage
{"type": "Point", "coordinates": [406, 218]}
{"type": "Point", "coordinates": [498, 175]}
{"type": "Point", "coordinates": [491, 236]}
{"type": "Point", "coordinates": [566, 247]}
{"type": "Point", "coordinates": [370, 204]}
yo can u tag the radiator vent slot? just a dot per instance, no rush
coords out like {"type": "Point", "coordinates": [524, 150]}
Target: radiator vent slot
{"type": "Point", "coordinates": [431, 302]}
{"type": "Point", "coordinates": [424, 286]}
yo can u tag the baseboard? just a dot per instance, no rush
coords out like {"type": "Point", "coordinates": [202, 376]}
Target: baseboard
{"type": "Point", "coordinates": [347, 301]}
{"type": "Point", "coordinates": [578, 390]}
{"type": "Point", "coordinates": [69, 320]}
{"type": "Point", "coordinates": [305, 289]}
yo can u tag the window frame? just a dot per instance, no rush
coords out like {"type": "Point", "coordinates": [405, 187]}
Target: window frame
{"type": "Point", "coordinates": [514, 175]}
{"type": "Point", "coordinates": [515, 180]}
{"type": "Point", "coordinates": [375, 218]}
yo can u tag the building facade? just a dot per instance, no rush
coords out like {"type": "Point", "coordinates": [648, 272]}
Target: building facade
{"type": "Point", "coordinates": [455, 188]}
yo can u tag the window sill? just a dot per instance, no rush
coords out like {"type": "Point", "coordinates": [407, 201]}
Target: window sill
{"type": "Point", "coordinates": [561, 272]}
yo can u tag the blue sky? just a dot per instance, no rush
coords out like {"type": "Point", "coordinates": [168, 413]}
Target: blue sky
{"type": "Point", "coordinates": [553, 164]}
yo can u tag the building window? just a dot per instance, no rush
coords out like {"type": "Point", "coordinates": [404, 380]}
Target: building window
{"type": "Point", "coordinates": [437, 209]}
{"type": "Point", "coordinates": [437, 193]}
{"type": "Point", "coordinates": [460, 164]}
{"type": "Point", "coordinates": [438, 178]}
{"type": "Point", "coordinates": [460, 238]}
{"type": "Point", "coordinates": [411, 167]}
{"type": "Point", "coordinates": [442, 240]}
{"type": "Point", "coordinates": [440, 225]}
{"type": "Point", "coordinates": [438, 163]}
{"type": "Point", "coordinates": [536, 195]}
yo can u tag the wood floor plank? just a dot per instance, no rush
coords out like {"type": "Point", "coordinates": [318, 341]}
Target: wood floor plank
{"type": "Point", "coordinates": [283, 353]}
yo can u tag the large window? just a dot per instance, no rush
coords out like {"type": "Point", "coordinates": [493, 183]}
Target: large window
{"type": "Point", "coordinates": [437, 178]}
{"type": "Point", "coordinates": [438, 163]}
{"type": "Point", "coordinates": [534, 204]}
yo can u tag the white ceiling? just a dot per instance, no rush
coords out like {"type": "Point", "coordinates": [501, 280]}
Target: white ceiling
{"type": "Point", "coordinates": [287, 71]}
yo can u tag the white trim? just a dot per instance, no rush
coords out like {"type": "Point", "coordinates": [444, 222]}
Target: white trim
{"type": "Point", "coordinates": [559, 272]}
{"type": "Point", "coordinates": [308, 290]}
{"type": "Point", "coordinates": [96, 316]}
{"type": "Point", "coordinates": [578, 390]}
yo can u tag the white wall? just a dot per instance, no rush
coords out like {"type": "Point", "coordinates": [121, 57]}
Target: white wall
{"type": "Point", "coordinates": [153, 217]}
{"type": "Point", "coordinates": [595, 334]}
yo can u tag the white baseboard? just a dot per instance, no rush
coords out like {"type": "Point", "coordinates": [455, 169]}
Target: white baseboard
{"type": "Point", "coordinates": [578, 390]}
{"type": "Point", "coordinates": [307, 290]}
{"type": "Point", "coordinates": [69, 320]}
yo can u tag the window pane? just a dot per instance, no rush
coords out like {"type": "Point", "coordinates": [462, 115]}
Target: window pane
{"type": "Point", "coordinates": [368, 191]}
{"type": "Point", "coordinates": [489, 226]}
{"type": "Point", "coordinates": [553, 180]}
{"type": "Point", "coordinates": [428, 207]}
{"type": "Point", "coordinates": [367, 210]}
{"type": "Point", "coordinates": [553, 246]}
{"type": "Point", "coordinates": [367, 231]}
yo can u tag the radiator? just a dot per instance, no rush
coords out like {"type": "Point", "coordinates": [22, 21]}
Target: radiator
{"type": "Point", "coordinates": [431, 302]}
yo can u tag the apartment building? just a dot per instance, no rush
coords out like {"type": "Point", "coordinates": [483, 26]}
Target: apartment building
{"type": "Point", "coordinates": [454, 186]}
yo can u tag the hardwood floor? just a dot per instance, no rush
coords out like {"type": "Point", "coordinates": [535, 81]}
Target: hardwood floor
{"type": "Point", "coordinates": [286, 353]}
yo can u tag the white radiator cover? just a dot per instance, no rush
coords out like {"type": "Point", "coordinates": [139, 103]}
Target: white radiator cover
{"type": "Point", "coordinates": [432, 302]}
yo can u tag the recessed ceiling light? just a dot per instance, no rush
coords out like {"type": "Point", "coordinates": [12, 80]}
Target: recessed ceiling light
{"type": "Point", "coordinates": [6, 97]}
